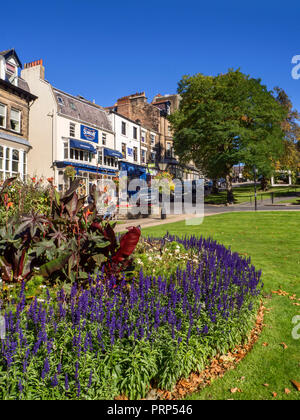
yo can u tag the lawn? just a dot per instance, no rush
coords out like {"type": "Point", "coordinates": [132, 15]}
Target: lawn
{"type": "Point", "coordinates": [246, 193]}
{"type": "Point", "coordinates": [295, 201]}
{"type": "Point", "coordinates": [272, 240]}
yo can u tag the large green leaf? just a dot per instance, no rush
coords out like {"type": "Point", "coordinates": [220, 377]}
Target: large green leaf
{"type": "Point", "coordinates": [50, 267]}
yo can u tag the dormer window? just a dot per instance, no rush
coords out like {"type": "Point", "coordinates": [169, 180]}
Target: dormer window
{"type": "Point", "coordinates": [11, 73]}
{"type": "Point", "coordinates": [10, 68]}
{"type": "Point", "coordinates": [60, 100]}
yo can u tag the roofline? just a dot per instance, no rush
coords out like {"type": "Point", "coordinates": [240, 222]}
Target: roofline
{"type": "Point", "coordinates": [84, 122]}
{"type": "Point", "coordinates": [126, 118]}
{"type": "Point", "coordinates": [13, 51]}
{"type": "Point", "coordinates": [85, 101]}
{"type": "Point", "coordinates": [17, 89]}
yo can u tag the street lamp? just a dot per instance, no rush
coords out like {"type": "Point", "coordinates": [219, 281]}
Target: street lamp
{"type": "Point", "coordinates": [162, 166]}
{"type": "Point", "coordinates": [255, 197]}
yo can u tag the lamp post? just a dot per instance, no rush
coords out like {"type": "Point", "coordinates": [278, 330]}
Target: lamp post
{"type": "Point", "coordinates": [255, 196]}
{"type": "Point", "coordinates": [162, 167]}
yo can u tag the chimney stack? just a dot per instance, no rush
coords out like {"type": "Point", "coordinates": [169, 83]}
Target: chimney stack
{"type": "Point", "coordinates": [38, 64]}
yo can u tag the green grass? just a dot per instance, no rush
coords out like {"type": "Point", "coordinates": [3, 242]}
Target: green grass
{"type": "Point", "coordinates": [290, 201]}
{"type": "Point", "coordinates": [243, 194]}
{"type": "Point", "coordinates": [272, 239]}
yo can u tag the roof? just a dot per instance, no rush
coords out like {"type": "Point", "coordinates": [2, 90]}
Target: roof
{"type": "Point", "coordinates": [82, 109]}
{"type": "Point", "coordinates": [21, 89]}
{"type": "Point", "coordinates": [22, 84]}
{"type": "Point", "coordinates": [8, 53]}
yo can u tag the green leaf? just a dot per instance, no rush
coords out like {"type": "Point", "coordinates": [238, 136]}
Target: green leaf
{"type": "Point", "coordinates": [50, 267]}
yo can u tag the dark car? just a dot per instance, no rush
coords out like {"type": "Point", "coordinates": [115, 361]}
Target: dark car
{"type": "Point", "coordinates": [142, 201]}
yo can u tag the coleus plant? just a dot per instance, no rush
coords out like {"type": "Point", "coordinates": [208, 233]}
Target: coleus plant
{"type": "Point", "coordinates": [74, 242]}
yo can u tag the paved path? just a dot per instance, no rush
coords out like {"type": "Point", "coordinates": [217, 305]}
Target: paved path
{"type": "Point", "coordinates": [209, 210]}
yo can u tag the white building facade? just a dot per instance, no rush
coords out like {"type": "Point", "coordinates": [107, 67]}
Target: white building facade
{"type": "Point", "coordinates": [69, 131]}
{"type": "Point", "coordinates": [128, 143]}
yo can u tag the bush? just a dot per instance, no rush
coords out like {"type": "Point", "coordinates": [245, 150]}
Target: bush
{"type": "Point", "coordinates": [118, 338]}
{"type": "Point", "coordinates": [25, 197]}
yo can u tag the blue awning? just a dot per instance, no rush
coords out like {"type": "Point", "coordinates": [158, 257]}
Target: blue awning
{"type": "Point", "coordinates": [87, 168]}
{"type": "Point", "coordinates": [113, 153]}
{"type": "Point", "coordinates": [76, 144]}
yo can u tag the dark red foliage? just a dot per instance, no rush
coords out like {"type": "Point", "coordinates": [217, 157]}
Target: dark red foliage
{"type": "Point", "coordinates": [128, 242]}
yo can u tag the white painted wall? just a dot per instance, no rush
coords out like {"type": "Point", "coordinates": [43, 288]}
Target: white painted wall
{"type": "Point", "coordinates": [128, 139]}
{"type": "Point", "coordinates": [41, 124]}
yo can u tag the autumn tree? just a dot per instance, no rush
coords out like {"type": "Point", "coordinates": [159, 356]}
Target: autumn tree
{"type": "Point", "coordinates": [226, 120]}
{"type": "Point", "coordinates": [290, 159]}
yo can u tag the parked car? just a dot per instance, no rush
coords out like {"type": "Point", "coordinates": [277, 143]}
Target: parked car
{"type": "Point", "coordinates": [142, 201]}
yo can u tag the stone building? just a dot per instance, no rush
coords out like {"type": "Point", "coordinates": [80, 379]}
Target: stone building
{"type": "Point", "coordinates": [156, 135]}
{"type": "Point", "coordinates": [15, 103]}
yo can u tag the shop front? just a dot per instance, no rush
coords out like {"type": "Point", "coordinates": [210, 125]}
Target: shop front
{"type": "Point", "coordinates": [88, 174]}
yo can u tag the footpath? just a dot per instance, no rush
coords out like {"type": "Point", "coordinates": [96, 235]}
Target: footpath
{"type": "Point", "coordinates": [209, 210]}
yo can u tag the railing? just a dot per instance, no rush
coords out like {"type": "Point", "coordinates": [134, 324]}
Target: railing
{"type": "Point", "coordinates": [292, 191]}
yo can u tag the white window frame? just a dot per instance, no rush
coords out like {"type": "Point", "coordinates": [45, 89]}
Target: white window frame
{"type": "Point", "coordinates": [72, 129]}
{"type": "Point", "coordinates": [125, 125]}
{"type": "Point", "coordinates": [4, 115]}
{"type": "Point", "coordinates": [11, 119]}
{"type": "Point", "coordinates": [7, 160]}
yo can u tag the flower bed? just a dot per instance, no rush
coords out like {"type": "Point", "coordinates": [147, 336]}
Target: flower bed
{"type": "Point", "coordinates": [120, 338]}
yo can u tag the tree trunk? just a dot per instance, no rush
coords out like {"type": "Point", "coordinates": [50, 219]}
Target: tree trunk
{"type": "Point", "coordinates": [215, 188]}
{"type": "Point", "coordinates": [264, 184]}
{"type": "Point", "coordinates": [230, 197]}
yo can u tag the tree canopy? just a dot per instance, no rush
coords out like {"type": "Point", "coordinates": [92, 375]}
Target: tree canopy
{"type": "Point", "coordinates": [226, 120]}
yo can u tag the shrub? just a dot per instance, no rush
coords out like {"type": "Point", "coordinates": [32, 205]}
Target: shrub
{"type": "Point", "coordinates": [69, 243]}
{"type": "Point", "coordinates": [116, 338]}
{"type": "Point", "coordinates": [24, 197]}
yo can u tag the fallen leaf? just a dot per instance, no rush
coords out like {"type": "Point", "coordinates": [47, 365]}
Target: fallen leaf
{"type": "Point", "coordinates": [286, 391]}
{"type": "Point", "coordinates": [274, 394]}
{"type": "Point", "coordinates": [265, 344]}
{"type": "Point", "coordinates": [284, 345]}
{"type": "Point", "coordinates": [266, 384]}
{"type": "Point", "coordinates": [296, 385]}
{"type": "Point", "coordinates": [234, 390]}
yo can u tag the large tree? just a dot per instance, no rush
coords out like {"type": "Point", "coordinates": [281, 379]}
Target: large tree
{"type": "Point", "coordinates": [226, 120]}
{"type": "Point", "coordinates": [290, 160]}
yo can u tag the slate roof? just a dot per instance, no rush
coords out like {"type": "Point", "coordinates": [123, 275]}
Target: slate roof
{"type": "Point", "coordinates": [22, 84]}
{"type": "Point", "coordinates": [81, 109]}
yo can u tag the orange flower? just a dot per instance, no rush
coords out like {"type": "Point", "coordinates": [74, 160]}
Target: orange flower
{"type": "Point", "coordinates": [50, 180]}
{"type": "Point", "coordinates": [10, 204]}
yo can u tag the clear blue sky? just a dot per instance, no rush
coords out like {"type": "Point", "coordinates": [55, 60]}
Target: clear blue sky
{"type": "Point", "coordinates": [103, 50]}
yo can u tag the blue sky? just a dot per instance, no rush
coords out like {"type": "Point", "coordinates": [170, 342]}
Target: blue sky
{"type": "Point", "coordinates": [103, 50]}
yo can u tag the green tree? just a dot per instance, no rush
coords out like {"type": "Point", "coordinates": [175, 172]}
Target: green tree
{"type": "Point", "coordinates": [226, 120]}
{"type": "Point", "coordinates": [290, 160]}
